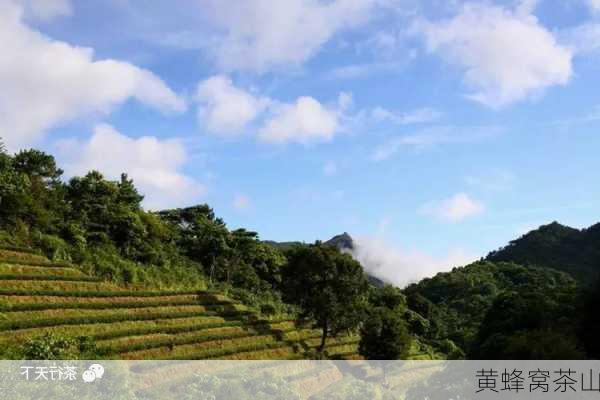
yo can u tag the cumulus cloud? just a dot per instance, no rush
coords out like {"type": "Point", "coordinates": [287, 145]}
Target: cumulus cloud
{"type": "Point", "coordinates": [453, 209]}
{"type": "Point", "coordinates": [225, 108]}
{"type": "Point", "coordinates": [304, 121]}
{"type": "Point", "coordinates": [46, 82]}
{"type": "Point", "coordinates": [153, 164]}
{"type": "Point", "coordinates": [506, 55]}
{"type": "Point", "coordinates": [260, 35]}
{"type": "Point", "coordinates": [402, 267]}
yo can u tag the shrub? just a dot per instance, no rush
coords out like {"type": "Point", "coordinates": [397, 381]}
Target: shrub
{"type": "Point", "coordinates": [49, 347]}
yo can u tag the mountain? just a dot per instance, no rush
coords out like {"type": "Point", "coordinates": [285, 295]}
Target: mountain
{"type": "Point", "coordinates": [343, 242]}
{"type": "Point", "coordinates": [556, 246]}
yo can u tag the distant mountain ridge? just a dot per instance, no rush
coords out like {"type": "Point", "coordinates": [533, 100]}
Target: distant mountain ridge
{"type": "Point", "coordinates": [574, 251]}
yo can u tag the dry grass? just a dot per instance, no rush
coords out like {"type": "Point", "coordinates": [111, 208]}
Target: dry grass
{"type": "Point", "coordinates": [25, 257]}
{"type": "Point", "coordinates": [102, 331]}
{"type": "Point", "coordinates": [62, 286]}
{"type": "Point", "coordinates": [41, 271]}
{"type": "Point", "coordinates": [199, 350]}
{"type": "Point", "coordinates": [66, 314]}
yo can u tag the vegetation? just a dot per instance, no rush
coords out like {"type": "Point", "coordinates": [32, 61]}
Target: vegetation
{"type": "Point", "coordinates": [556, 246]}
{"type": "Point", "coordinates": [330, 287]}
{"type": "Point", "coordinates": [85, 271]}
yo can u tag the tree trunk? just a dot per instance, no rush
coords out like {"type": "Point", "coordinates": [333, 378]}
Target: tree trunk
{"type": "Point", "coordinates": [323, 338]}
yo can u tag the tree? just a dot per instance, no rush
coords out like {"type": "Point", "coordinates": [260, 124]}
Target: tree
{"type": "Point", "coordinates": [329, 286]}
{"type": "Point", "coordinates": [201, 235]}
{"type": "Point", "coordinates": [384, 336]}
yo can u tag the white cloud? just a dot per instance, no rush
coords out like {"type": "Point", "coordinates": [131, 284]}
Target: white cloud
{"type": "Point", "coordinates": [153, 164]}
{"type": "Point", "coordinates": [401, 267]}
{"type": "Point", "coordinates": [225, 108]}
{"type": "Point", "coordinates": [260, 35]}
{"type": "Point", "coordinates": [418, 116]}
{"type": "Point", "coordinates": [304, 121]}
{"type": "Point", "coordinates": [438, 135]}
{"type": "Point", "coordinates": [507, 56]}
{"type": "Point", "coordinates": [45, 82]}
{"type": "Point", "coordinates": [453, 209]}
{"type": "Point", "coordinates": [241, 202]}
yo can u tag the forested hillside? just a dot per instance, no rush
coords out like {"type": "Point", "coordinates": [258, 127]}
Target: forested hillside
{"type": "Point", "coordinates": [96, 275]}
{"type": "Point", "coordinates": [574, 251]}
{"type": "Point", "coordinates": [535, 298]}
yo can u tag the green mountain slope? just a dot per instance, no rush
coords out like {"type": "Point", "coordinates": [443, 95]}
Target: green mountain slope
{"type": "Point", "coordinates": [456, 303]}
{"type": "Point", "coordinates": [574, 251]}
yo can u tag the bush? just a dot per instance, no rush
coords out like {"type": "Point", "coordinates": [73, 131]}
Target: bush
{"type": "Point", "coordinates": [49, 347]}
{"type": "Point", "coordinates": [53, 247]}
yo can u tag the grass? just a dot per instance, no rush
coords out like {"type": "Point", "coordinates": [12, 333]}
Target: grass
{"type": "Point", "coordinates": [7, 255]}
{"type": "Point", "coordinates": [37, 270]}
{"type": "Point", "coordinates": [42, 278]}
{"type": "Point", "coordinates": [204, 350]}
{"type": "Point", "coordinates": [19, 249]}
{"type": "Point", "coordinates": [38, 296]}
{"type": "Point", "coordinates": [111, 330]}
{"type": "Point", "coordinates": [108, 304]}
{"type": "Point", "coordinates": [128, 315]}
{"type": "Point", "coordinates": [146, 342]}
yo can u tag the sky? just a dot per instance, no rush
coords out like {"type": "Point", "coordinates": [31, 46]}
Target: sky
{"type": "Point", "coordinates": [432, 131]}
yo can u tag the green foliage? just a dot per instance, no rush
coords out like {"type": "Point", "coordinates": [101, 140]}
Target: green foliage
{"type": "Point", "coordinates": [329, 286]}
{"type": "Point", "coordinates": [456, 302]}
{"type": "Point", "coordinates": [384, 335]}
{"type": "Point", "coordinates": [55, 347]}
{"type": "Point", "coordinates": [531, 324]}
{"type": "Point", "coordinates": [574, 251]}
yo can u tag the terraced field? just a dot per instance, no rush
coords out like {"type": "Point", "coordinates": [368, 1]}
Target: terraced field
{"type": "Point", "coordinates": [38, 296]}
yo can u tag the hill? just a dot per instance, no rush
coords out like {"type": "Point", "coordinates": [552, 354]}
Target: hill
{"type": "Point", "coordinates": [563, 248]}
{"type": "Point", "coordinates": [38, 297]}
{"type": "Point", "coordinates": [462, 305]}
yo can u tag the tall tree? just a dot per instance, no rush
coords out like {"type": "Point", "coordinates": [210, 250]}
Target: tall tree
{"type": "Point", "coordinates": [329, 286]}
{"type": "Point", "coordinates": [384, 335]}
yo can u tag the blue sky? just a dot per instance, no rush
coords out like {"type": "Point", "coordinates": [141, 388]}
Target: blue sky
{"type": "Point", "coordinates": [433, 131]}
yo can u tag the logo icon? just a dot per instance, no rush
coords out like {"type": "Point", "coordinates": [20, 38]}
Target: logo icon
{"type": "Point", "coordinates": [94, 372]}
